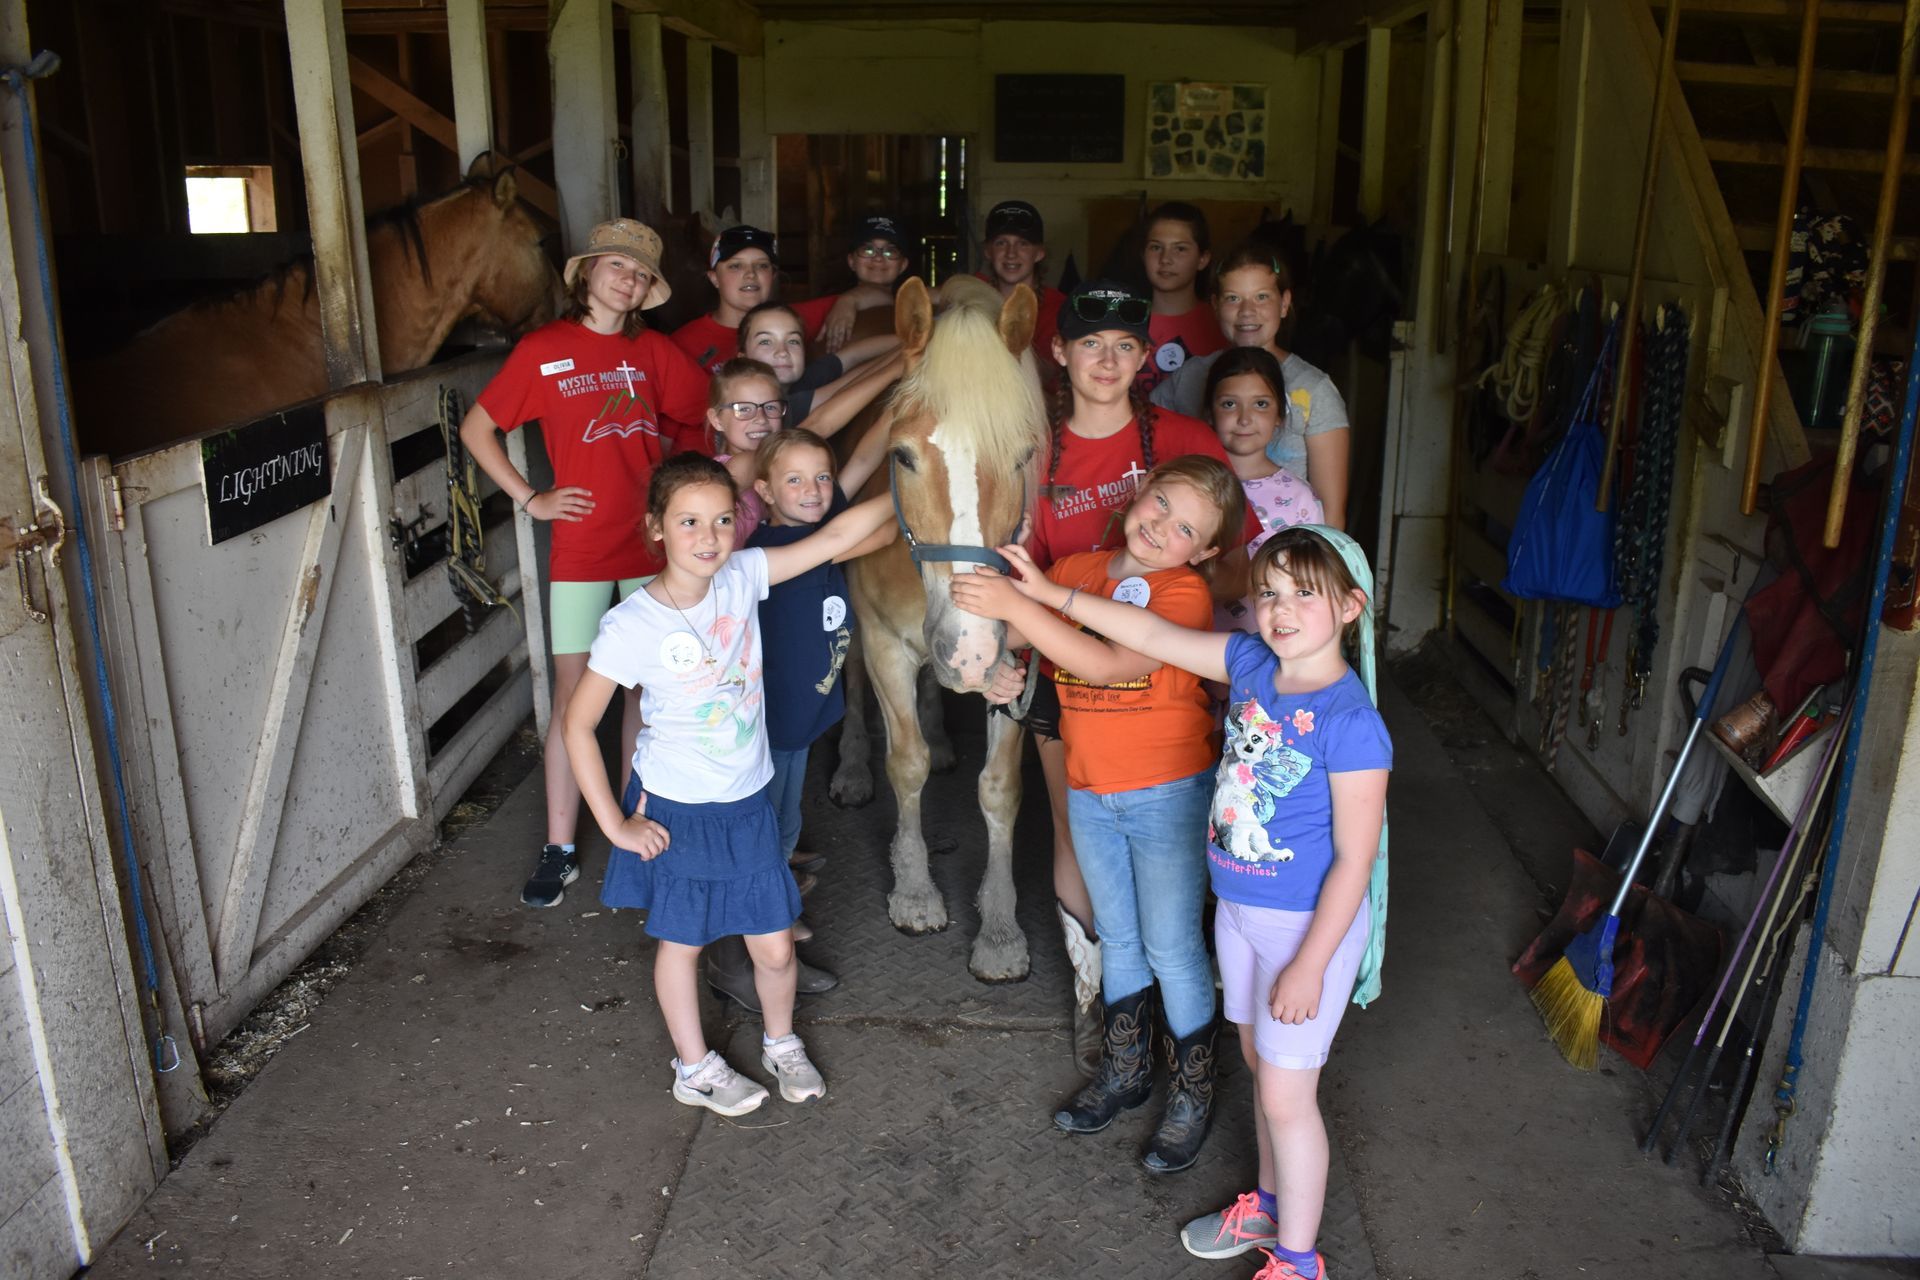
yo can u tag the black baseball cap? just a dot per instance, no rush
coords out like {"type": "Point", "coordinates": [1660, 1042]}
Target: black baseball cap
{"type": "Point", "coordinates": [1097, 306]}
{"type": "Point", "coordinates": [735, 239]}
{"type": "Point", "coordinates": [1016, 218]}
{"type": "Point", "coordinates": [878, 226]}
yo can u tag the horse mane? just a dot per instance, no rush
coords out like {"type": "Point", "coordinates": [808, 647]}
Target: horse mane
{"type": "Point", "coordinates": [968, 377]}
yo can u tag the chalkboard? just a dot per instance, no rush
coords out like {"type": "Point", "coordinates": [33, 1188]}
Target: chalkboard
{"type": "Point", "coordinates": [1059, 119]}
{"type": "Point", "coordinates": [267, 469]}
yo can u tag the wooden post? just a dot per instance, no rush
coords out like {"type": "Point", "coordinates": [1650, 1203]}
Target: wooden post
{"type": "Point", "coordinates": [700, 126]}
{"type": "Point", "coordinates": [1373, 128]}
{"type": "Point", "coordinates": [330, 157]}
{"type": "Point", "coordinates": [1327, 149]}
{"type": "Point", "coordinates": [580, 55]}
{"type": "Point", "coordinates": [472, 96]}
{"type": "Point", "coordinates": [652, 157]}
{"type": "Point", "coordinates": [756, 147]}
{"type": "Point", "coordinates": [1502, 68]}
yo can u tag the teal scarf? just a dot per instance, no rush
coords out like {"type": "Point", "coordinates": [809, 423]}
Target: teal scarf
{"type": "Point", "coordinates": [1366, 984]}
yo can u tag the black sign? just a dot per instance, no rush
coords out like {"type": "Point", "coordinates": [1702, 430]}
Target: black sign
{"type": "Point", "coordinates": [257, 473]}
{"type": "Point", "coordinates": [1059, 119]}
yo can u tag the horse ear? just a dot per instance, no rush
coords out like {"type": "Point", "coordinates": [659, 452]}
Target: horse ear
{"type": "Point", "coordinates": [913, 319]}
{"type": "Point", "coordinates": [505, 189]}
{"type": "Point", "coordinates": [1019, 315]}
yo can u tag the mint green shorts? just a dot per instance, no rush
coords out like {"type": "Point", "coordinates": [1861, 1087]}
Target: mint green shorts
{"type": "Point", "coordinates": [574, 610]}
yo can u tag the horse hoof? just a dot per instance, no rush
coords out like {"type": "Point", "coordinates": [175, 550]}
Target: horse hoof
{"type": "Point", "coordinates": [999, 961]}
{"type": "Point", "coordinates": [851, 790]}
{"type": "Point", "coordinates": [916, 915]}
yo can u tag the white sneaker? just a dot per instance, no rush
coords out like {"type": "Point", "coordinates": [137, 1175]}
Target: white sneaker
{"type": "Point", "coordinates": [798, 1078]}
{"type": "Point", "coordinates": [718, 1087]}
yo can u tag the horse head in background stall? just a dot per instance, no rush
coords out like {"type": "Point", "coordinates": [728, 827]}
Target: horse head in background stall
{"type": "Point", "coordinates": [474, 252]}
{"type": "Point", "coordinates": [1358, 291]}
{"type": "Point", "coordinates": [967, 429]}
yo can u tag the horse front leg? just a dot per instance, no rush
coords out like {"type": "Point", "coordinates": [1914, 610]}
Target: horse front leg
{"type": "Point", "coordinates": [852, 784]}
{"type": "Point", "coordinates": [1000, 948]}
{"type": "Point", "coordinates": [915, 905]}
{"type": "Point", "coordinates": [933, 723]}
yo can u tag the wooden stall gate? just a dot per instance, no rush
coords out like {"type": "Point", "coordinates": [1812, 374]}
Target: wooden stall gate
{"type": "Point", "coordinates": [301, 703]}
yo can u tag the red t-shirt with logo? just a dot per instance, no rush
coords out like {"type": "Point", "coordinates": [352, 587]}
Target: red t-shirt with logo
{"type": "Point", "coordinates": [610, 408]}
{"type": "Point", "coordinates": [1176, 340]}
{"type": "Point", "coordinates": [710, 344]}
{"type": "Point", "coordinates": [1097, 479]}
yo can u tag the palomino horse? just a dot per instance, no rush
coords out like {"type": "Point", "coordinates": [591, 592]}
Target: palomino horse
{"type": "Point", "coordinates": [967, 429]}
{"type": "Point", "coordinates": [472, 252]}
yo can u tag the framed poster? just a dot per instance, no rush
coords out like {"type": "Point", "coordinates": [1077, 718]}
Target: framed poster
{"type": "Point", "coordinates": [1204, 129]}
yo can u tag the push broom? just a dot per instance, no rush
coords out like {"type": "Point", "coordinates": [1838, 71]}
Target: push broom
{"type": "Point", "coordinates": [1572, 995]}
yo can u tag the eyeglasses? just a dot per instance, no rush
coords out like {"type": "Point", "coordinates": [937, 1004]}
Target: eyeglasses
{"type": "Point", "coordinates": [744, 409]}
{"type": "Point", "coordinates": [888, 252]}
{"type": "Point", "coordinates": [1092, 307]}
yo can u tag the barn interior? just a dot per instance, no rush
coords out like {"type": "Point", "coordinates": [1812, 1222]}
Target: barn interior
{"type": "Point", "coordinates": [288, 708]}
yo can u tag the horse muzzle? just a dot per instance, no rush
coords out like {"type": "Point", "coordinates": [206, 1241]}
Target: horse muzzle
{"type": "Point", "coordinates": [965, 649]}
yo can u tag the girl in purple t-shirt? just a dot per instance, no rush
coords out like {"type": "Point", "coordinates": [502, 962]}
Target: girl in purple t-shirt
{"type": "Point", "coordinates": [1298, 810]}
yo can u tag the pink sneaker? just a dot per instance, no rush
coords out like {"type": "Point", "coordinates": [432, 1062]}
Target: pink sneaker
{"type": "Point", "coordinates": [1241, 1226]}
{"type": "Point", "coordinates": [1278, 1268]}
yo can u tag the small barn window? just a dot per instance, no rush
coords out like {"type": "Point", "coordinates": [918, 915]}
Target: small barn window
{"type": "Point", "coordinates": [227, 199]}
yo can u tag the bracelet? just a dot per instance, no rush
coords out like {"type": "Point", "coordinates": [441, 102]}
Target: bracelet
{"type": "Point", "coordinates": [523, 503]}
{"type": "Point", "coordinates": [1066, 610]}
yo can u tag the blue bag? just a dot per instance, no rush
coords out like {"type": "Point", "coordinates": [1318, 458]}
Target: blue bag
{"type": "Point", "coordinates": [1561, 548]}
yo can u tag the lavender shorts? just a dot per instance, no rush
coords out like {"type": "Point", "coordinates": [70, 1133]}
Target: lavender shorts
{"type": "Point", "coordinates": [1254, 944]}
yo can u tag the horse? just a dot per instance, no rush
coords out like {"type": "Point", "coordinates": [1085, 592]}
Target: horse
{"type": "Point", "coordinates": [472, 252]}
{"type": "Point", "coordinates": [966, 433]}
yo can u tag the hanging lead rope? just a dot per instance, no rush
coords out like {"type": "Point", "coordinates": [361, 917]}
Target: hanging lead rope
{"type": "Point", "coordinates": [466, 550]}
{"type": "Point", "coordinates": [1640, 545]}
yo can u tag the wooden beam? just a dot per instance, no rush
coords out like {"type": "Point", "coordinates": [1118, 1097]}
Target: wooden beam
{"type": "Point", "coordinates": [1833, 159]}
{"type": "Point", "coordinates": [652, 166]}
{"type": "Point", "coordinates": [1373, 128]}
{"type": "Point", "coordinates": [1326, 151]}
{"type": "Point", "coordinates": [728, 23]}
{"type": "Point", "coordinates": [1334, 24]}
{"type": "Point", "coordinates": [1856, 12]}
{"type": "Point", "coordinates": [323, 105]}
{"type": "Point", "coordinates": [397, 98]}
{"type": "Point", "coordinates": [757, 191]}
{"type": "Point", "coordinates": [1738, 75]}
{"type": "Point", "coordinates": [580, 55]}
{"type": "Point", "coordinates": [472, 96]}
{"type": "Point", "coordinates": [700, 127]}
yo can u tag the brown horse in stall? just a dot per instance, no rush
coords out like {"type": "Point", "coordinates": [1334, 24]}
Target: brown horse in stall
{"type": "Point", "coordinates": [967, 429]}
{"type": "Point", "coordinates": [473, 252]}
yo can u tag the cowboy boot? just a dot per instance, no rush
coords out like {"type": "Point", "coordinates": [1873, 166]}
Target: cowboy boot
{"type": "Point", "coordinates": [1175, 1145]}
{"type": "Point", "coordinates": [730, 974]}
{"type": "Point", "coordinates": [1084, 953]}
{"type": "Point", "coordinates": [1125, 1078]}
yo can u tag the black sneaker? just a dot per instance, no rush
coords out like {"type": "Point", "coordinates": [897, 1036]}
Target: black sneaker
{"type": "Point", "coordinates": [549, 881]}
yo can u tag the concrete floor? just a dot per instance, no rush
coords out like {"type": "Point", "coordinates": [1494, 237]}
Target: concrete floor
{"type": "Point", "coordinates": [486, 1094]}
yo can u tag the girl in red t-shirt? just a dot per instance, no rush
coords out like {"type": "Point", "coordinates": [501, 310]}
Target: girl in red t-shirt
{"type": "Point", "coordinates": [612, 397]}
{"type": "Point", "coordinates": [1177, 250]}
{"type": "Point", "coordinates": [1105, 439]}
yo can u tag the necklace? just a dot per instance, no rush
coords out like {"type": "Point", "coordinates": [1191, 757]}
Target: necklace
{"type": "Point", "coordinates": [707, 658]}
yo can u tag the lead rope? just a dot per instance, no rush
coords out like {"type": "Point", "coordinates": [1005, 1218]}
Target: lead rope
{"type": "Point", "coordinates": [466, 536]}
{"type": "Point", "coordinates": [166, 1054]}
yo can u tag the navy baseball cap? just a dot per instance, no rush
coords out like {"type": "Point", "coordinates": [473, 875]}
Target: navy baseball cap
{"type": "Point", "coordinates": [879, 226]}
{"type": "Point", "coordinates": [1016, 218]}
{"type": "Point", "coordinates": [735, 239]}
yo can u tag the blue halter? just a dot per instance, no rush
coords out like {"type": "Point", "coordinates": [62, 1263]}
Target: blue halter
{"type": "Point", "coordinates": [938, 552]}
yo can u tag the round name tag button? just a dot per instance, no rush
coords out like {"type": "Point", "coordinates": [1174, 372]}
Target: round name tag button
{"type": "Point", "coordinates": [680, 652]}
{"type": "Point", "coordinates": [833, 612]}
{"type": "Point", "coordinates": [1133, 591]}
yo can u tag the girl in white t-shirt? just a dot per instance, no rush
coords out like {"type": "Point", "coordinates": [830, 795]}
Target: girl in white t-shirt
{"type": "Point", "coordinates": [695, 840]}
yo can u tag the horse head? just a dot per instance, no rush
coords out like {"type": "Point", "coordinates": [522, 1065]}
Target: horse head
{"type": "Point", "coordinates": [517, 288]}
{"type": "Point", "coordinates": [968, 426]}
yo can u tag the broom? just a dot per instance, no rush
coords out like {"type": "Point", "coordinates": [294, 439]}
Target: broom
{"type": "Point", "coordinates": [1572, 995]}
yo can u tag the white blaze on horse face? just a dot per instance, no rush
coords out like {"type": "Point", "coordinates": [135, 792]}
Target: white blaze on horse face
{"type": "Point", "coordinates": [976, 641]}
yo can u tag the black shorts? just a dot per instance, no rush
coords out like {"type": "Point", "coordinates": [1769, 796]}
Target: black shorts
{"type": "Point", "coordinates": [1043, 715]}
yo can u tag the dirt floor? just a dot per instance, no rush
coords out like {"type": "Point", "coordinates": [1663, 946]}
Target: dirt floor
{"type": "Point", "coordinates": [483, 1089]}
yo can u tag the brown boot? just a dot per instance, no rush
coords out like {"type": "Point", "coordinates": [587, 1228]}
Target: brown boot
{"type": "Point", "coordinates": [1088, 1022]}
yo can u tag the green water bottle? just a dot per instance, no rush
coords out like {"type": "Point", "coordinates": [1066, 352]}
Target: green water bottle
{"type": "Point", "coordinates": [1817, 373]}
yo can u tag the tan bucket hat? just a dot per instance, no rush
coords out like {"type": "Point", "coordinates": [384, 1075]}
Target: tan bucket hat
{"type": "Point", "coordinates": [629, 239]}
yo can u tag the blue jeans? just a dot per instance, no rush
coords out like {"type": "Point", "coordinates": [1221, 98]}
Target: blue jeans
{"type": "Point", "coordinates": [1143, 855]}
{"type": "Point", "coordinates": [789, 777]}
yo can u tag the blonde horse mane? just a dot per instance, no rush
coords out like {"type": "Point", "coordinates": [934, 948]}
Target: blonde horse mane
{"type": "Point", "coordinates": [968, 379]}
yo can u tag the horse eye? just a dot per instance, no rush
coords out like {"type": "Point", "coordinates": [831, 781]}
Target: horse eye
{"type": "Point", "coordinates": [904, 457]}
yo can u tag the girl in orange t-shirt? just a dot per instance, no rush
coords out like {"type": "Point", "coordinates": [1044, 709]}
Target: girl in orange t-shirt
{"type": "Point", "coordinates": [1140, 753]}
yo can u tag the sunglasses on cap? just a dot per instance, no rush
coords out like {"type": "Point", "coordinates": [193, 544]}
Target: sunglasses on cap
{"type": "Point", "coordinates": [1092, 307]}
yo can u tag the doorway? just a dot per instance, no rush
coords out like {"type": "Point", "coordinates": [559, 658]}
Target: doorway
{"type": "Point", "coordinates": [828, 182]}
